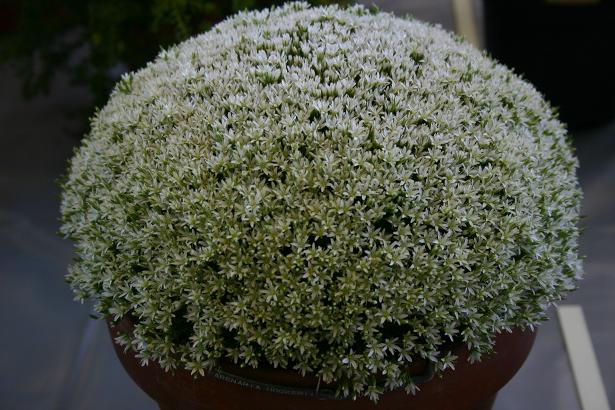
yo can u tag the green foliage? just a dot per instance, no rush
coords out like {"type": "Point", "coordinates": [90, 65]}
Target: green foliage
{"type": "Point", "coordinates": [322, 189]}
{"type": "Point", "coordinates": [94, 41]}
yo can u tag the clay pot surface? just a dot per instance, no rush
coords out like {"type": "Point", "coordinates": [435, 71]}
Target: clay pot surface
{"type": "Point", "coordinates": [468, 387]}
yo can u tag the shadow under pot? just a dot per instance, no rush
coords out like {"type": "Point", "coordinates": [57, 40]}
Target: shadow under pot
{"type": "Point", "coordinates": [468, 387]}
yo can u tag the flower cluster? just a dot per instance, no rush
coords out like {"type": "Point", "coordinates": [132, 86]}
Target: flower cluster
{"type": "Point", "coordinates": [325, 189]}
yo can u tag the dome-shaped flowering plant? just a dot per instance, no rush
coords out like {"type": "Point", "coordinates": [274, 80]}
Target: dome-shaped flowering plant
{"type": "Point", "coordinates": [322, 189]}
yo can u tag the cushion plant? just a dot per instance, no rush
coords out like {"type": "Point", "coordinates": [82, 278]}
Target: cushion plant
{"type": "Point", "coordinates": [322, 189]}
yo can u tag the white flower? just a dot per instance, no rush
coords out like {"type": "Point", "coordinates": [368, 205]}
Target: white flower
{"type": "Point", "coordinates": [324, 189]}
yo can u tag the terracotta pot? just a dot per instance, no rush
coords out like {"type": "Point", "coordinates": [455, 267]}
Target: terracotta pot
{"type": "Point", "coordinates": [468, 387]}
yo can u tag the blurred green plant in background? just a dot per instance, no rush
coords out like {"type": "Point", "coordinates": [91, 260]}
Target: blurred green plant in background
{"type": "Point", "coordinates": [95, 41]}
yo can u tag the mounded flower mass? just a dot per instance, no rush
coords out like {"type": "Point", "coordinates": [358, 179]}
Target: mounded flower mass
{"type": "Point", "coordinates": [322, 189]}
